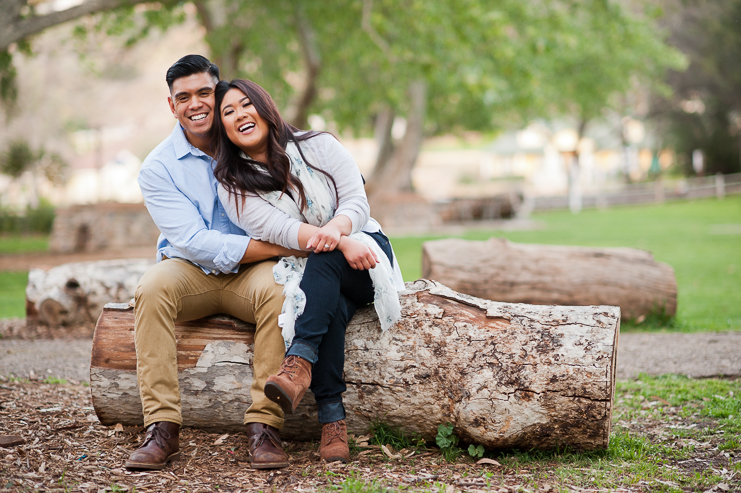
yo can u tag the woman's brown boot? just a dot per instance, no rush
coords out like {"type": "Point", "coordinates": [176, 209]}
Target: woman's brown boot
{"type": "Point", "coordinates": [288, 387]}
{"type": "Point", "coordinates": [334, 445]}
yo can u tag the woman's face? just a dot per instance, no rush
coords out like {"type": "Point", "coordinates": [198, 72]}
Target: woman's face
{"type": "Point", "coordinates": [243, 125]}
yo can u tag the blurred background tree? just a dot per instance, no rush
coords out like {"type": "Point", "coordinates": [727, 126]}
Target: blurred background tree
{"type": "Point", "coordinates": [703, 110]}
{"type": "Point", "coordinates": [427, 68]}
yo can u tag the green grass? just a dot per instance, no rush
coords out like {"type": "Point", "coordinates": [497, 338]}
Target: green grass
{"type": "Point", "coordinates": [707, 266]}
{"type": "Point", "coordinates": [13, 294]}
{"type": "Point", "coordinates": [15, 243]}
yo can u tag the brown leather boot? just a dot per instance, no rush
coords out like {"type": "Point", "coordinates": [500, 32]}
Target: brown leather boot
{"type": "Point", "coordinates": [288, 387]}
{"type": "Point", "coordinates": [334, 442]}
{"type": "Point", "coordinates": [266, 450]}
{"type": "Point", "coordinates": [161, 445]}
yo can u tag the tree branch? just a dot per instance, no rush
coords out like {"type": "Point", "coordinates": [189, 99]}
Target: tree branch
{"type": "Point", "coordinates": [372, 33]}
{"type": "Point", "coordinates": [19, 29]}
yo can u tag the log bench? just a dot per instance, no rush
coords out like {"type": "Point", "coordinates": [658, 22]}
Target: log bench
{"type": "Point", "coordinates": [505, 375]}
{"type": "Point", "coordinates": [498, 269]}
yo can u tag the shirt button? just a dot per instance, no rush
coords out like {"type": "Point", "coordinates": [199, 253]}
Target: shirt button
{"type": "Point", "coordinates": [222, 214]}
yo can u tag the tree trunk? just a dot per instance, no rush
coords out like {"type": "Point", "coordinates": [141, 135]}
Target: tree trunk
{"type": "Point", "coordinates": [385, 143]}
{"type": "Point", "coordinates": [214, 14]}
{"type": "Point", "coordinates": [396, 175]}
{"type": "Point", "coordinates": [75, 293]}
{"type": "Point", "coordinates": [504, 375]}
{"type": "Point", "coordinates": [563, 275]}
{"type": "Point", "coordinates": [298, 114]}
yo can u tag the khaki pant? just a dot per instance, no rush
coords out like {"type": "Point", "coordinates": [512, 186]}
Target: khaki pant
{"type": "Point", "coordinates": [176, 290]}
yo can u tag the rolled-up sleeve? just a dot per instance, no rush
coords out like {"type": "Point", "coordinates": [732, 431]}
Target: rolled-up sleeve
{"type": "Point", "coordinates": [181, 223]}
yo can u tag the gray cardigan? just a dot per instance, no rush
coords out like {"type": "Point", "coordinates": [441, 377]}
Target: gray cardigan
{"type": "Point", "coordinates": [262, 221]}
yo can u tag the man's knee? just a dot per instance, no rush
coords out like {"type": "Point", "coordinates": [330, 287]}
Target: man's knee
{"type": "Point", "coordinates": [155, 284]}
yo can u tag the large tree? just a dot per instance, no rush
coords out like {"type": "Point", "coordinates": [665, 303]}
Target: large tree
{"type": "Point", "coordinates": [443, 66]}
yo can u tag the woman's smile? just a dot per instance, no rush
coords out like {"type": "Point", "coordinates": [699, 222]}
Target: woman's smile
{"type": "Point", "coordinates": [243, 124]}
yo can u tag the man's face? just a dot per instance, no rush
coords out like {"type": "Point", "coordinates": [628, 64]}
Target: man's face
{"type": "Point", "coordinates": [192, 101]}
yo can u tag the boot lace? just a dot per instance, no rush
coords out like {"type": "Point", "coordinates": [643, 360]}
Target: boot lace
{"type": "Point", "coordinates": [159, 435]}
{"type": "Point", "coordinates": [265, 434]}
{"type": "Point", "coordinates": [333, 431]}
{"type": "Point", "coordinates": [290, 366]}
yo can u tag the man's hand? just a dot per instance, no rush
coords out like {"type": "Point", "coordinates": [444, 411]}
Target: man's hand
{"type": "Point", "coordinates": [325, 239]}
{"type": "Point", "coordinates": [358, 255]}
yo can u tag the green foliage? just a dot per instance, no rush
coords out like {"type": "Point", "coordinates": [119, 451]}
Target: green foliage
{"type": "Point", "coordinates": [19, 157]}
{"type": "Point", "coordinates": [55, 381]}
{"type": "Point", "coordinates": [8, 74]}
{"type": "Point", "coordinates": [354, 484]}
{"type": "Point", "coordinates": [448, 442]}
{"type": "Point", "coordinates": [38, 220]}
{"type": "Point", "coordinates": [476, 451]}
{"type": "Point", "coordinates": [384, 434]}
{"type": "Point", "coordinates": [712, 80]}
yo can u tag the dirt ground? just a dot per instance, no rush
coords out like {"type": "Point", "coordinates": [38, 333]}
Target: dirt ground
{"type": "Point", "coordinates": [66, 449]}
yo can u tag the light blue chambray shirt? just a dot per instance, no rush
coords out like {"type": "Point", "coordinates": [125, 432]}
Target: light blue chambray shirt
{"type": "Point", "coordinates": [179, 189]}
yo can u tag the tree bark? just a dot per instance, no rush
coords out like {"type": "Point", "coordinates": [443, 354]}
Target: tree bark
{"type": "Point", "coordinates": [75, 293]}
{"type": "Point", "coordinates": [15, 28]}
{"type": "Point", "coordinates": [396, 175]}
{"type": "Point", "coordinates": [563, 275]}
{"type": "Point", "coordinates": [504, 375]}
{"type": "Point", "coordinates": [385, 143]}
{"type": "Point", "coordinates": [214, 14]}
{"type": "Point", "coordinates": [299, 112]}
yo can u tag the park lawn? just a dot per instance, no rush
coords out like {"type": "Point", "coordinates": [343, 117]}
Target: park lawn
{"type": "Point", "coordinates": [693, 237]}
{"type": "Point", "coordinates": [15, 243]}
{"type": "Point", "coordinates": [13, 294]}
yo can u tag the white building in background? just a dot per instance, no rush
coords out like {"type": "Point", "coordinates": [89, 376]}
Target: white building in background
{"type": "Point", "coordinates": [114, 182]}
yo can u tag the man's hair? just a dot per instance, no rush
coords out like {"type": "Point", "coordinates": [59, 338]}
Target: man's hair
{"type": "Point", "coordinates": [190, 65]}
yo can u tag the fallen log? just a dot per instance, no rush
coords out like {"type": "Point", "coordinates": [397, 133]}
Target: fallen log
{"type": "Point", "coordinates": [74, 294]}
{"type": "Point", "coordinates": [500, 270]}
{"type": "Point", "coordinates": [505, 375]}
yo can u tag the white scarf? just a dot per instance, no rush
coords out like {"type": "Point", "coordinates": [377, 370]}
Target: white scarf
{"type": "Point", "coordinates": [319, 211]}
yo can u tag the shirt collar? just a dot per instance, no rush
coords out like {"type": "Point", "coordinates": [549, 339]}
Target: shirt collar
{"type": "Point", "coordinates": [181, 145]}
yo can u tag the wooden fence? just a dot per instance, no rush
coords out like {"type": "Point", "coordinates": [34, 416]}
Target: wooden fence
{"type": "Point", "coordinates": [653, 192]}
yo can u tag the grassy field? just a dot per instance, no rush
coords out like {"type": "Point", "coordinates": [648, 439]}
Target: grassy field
{"type": "Point", "coordinates": [10, 244]}
{"type": "Point", "coordinates": [701, 240]}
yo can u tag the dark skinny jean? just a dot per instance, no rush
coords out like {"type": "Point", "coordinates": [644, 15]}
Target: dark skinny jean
{"type": "Point", "coordinates": [333, 290]}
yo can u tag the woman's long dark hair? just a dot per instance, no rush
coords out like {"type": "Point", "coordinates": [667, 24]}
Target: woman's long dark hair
{"type": "Point", "coordinates": [238, 175]}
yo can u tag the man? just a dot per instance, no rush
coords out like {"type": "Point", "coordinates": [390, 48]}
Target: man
{"type": "Point", "coordinates": [205, 265]}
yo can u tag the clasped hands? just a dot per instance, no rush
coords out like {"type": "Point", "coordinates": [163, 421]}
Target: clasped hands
{"type": "Point", "coordinates": [329, 237]}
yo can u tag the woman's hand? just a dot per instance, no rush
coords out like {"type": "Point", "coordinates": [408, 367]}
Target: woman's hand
{"type": "Point", "coordinates": [325, 239]}
{"type": "Point", "coordinates": [358, 255]}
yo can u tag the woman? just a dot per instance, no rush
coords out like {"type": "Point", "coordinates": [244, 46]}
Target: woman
{"type": "Point", "coordinates": [303, 190]}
